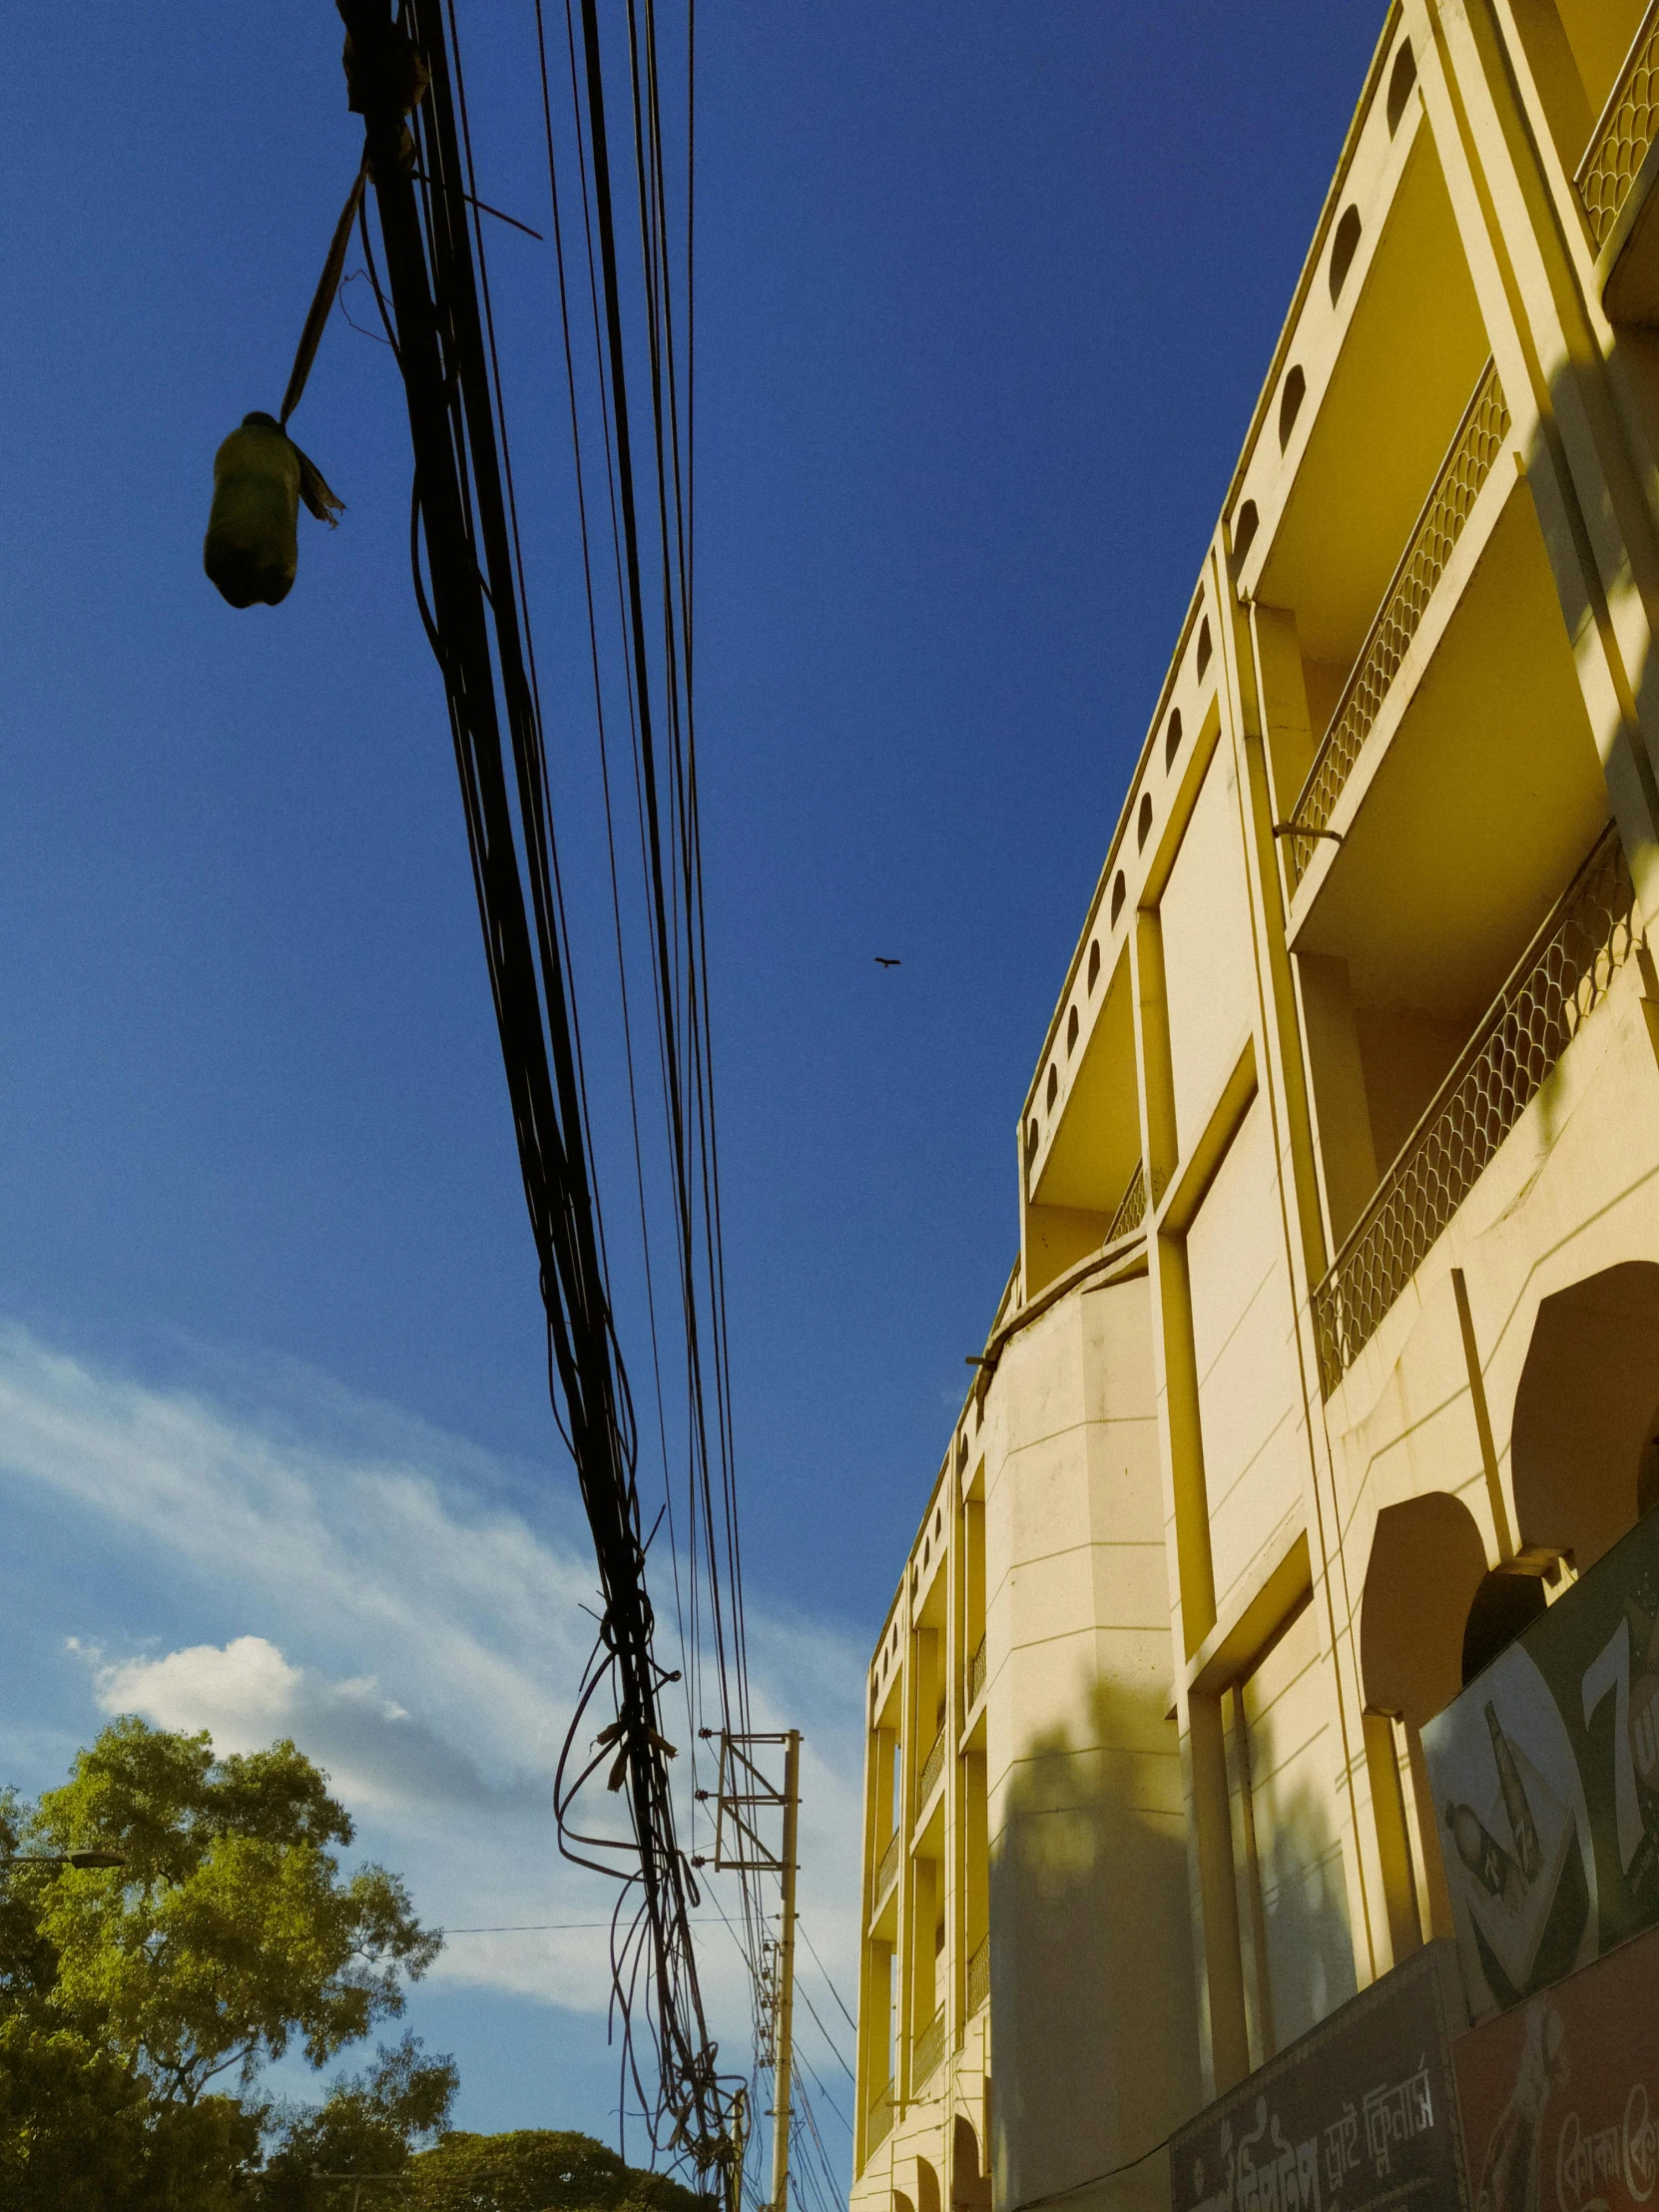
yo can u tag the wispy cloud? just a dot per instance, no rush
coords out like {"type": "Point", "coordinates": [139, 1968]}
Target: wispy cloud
{"type": "Point", "coordinates": [416, 1636]}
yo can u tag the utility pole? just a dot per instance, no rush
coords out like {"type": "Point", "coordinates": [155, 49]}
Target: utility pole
{"type": "Point", "coordinates": [743, 1794]}
{"type": "Point", "coordinates": [786, 1979]}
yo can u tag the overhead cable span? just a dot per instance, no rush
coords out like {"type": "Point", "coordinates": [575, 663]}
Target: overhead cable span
{"type": "Point", "coordinates": [405, 80]}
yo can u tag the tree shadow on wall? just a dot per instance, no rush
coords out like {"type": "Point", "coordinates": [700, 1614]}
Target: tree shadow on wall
{"type": "Point", "coordinates": [1094, 2031]}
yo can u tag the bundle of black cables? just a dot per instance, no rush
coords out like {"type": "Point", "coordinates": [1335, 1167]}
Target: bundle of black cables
{"type": "Point", "coordinates": [472, 602]}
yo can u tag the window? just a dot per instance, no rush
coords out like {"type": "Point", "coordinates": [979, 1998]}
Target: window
{"type": "Point", "coordinates": [1399, 84]}
{"type": "Point", "coordinates": [1290, 405]}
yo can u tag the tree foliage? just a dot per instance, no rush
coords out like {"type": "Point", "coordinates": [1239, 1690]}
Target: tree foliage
{"type": "Point", "coordinates": [540, 2170]}
{"type": "Point", "coordinates": [138, 2004]}
{"type": "Point", "coordinates": [229, 1933]}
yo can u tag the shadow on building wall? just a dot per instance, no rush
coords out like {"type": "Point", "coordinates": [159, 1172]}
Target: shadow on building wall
{"type": "Point", "coordinates": [1093, 2008]}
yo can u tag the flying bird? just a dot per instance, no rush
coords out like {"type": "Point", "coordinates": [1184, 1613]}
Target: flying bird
{"type": "Point", "coordinates": [881, 960]}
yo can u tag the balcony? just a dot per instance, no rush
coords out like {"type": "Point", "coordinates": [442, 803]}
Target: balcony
{"type": "Point", "coordinates": [976, 1674]}
{"type": "Point", "coordinates": [1561, 980]}
{"type": "Point", "coordinates": [1131, 1209]}
{"type": "Point", "coordinates": [886, 1873]}
{"type": "Point", "coordinates": [1468, 462]}
{"type": "Point", "coordinates": [881, 2121]}
{"type": "Point", "coordinates": [1620, 141]}
{"type": "Point", "coordinates": [931, 1769]}
{"type": "Point", "coordinates": [979, 1976]}
{"type": "Point", "coordinates": [929, 2050]}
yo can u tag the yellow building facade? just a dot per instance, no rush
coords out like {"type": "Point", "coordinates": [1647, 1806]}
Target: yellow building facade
{"type": "Point", "coordinates": [1331, 1352]}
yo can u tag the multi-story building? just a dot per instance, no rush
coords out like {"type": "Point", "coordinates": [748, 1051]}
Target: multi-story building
{"type": "Point", "coordinates": [1330, 1356]}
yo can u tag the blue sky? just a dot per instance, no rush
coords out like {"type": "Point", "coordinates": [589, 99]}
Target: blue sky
{"type": "Point", "coordinates": [985, 295]}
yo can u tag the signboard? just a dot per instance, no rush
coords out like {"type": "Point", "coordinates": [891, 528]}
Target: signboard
{"type": "Point", "coordinates": [1360, 2113]}
{"type": "Point", "coordinates": [1560, 2097]}
{"type": "Point", "coordinates": [1545, 1778]}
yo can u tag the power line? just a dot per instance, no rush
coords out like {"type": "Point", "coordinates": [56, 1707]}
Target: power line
{"type": "Point", "coordinates": [474, 604]}
{"type": "Point", "coordinates": [829, 1984]}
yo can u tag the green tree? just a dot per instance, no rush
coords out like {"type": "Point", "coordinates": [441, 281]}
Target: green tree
{"type": "Point", "coordinates": [540, 2170]}
{"type": "Point", "coordinates": [138, 2004]}
{"type": "Point", "coordinates": [71, 2123]}
{"type": "Point", "coordinates": [368, 2124]}
{"type": "Point", "coordinates": [230, 1931]}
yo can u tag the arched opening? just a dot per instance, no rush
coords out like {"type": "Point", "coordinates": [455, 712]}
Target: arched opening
{"type": "Point", "coordinates": [1117, 896]}
{"type": "Point", "coordinates": [1501, 1607]}
{"type": "Point", "coordinates": [1143, 826]}
{"type": "Point", "coordinates": [1581, 1442]}
{"type": "Point", "coordinates": [1244, 530]}
{"type": "Point", "coordinates": [1094, 965]}
{"type": "Point", "coordinates": [1204, 626]}
{"type": "Point", "coordinates": [1290, 405]}
{"type": "Point", "coordinates": [1401, 83]}
{"type": "Point", "coordinates": [970, 2189]}
{"type": "Point", "coordinates": [928, 2187]}
{"type": "Point", "coordinates": [1030, 1142]}
{"type": "Point", "coordinates": [1344, 246]}
{"type": "Point", "coordinates": [1071, 1032]}
{"type": "Point", "coordinates": [1427, 1563]}
{"type": "Point", "coordinates": [1172, 741]}
{"type": "Point", "coordinates": [1052, 1088]}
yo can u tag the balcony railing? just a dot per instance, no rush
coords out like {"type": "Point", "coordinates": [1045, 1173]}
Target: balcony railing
{"type": "Point", "coordinates": [929, 2050]}
{"type": "Point", "coordinates": [1558, 981]}
{"type": "Point", "coordinates": [979, 1976]}
{"type": "Point", "coordinates": [1131, 1208]}
{"type": "Point", "coordinates": [1465, 471]}
{"type": "Point", "coordinates": [1627, 127]}
{"type": "Point", "coordinates": [976, 1674]}
{"type": "Point", "coordinates": [881, 2121]}
{"type": "Point", "coordinates": [932, 1768]}
{"type": "Point", "coordinates": [887, 1870]}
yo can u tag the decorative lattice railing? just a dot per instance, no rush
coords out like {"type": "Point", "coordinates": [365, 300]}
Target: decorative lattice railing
{"type": "Point", "coordinates": [976, 1674]}
{"type": "Point", "coordinates": [979, 1976]}
{"type": "Point", "coordinates": [1558, 981]}
{"type": "Point", "coordinates": [1468, 464]}
{"type": "Point", "coordinates": [881, 2120]}
{"type": "Point", "coordinates": [931, 1769]}
{"type": "Point", "coordinates": [1131, 1208]}
{"type": "Point", "coordinates": [929, 2050]}
{"type": "Point", "coordinates": [1627, 127]}
{"type": "Point", "coordinates": [887, 1870]}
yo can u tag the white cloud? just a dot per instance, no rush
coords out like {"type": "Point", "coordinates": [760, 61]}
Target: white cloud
{"type": "Point", "coordinates": [418, 1639]}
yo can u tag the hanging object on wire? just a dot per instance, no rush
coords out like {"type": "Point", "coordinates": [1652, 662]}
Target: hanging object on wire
{"type": "Point", "coordinates": [252, 549]}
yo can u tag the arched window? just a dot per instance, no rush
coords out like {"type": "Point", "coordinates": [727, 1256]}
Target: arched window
{"type": "Point", "coordinates": [1052, 1089]}
{"type": "Point", "coordinates": [1071, 1032]}
{"type": "Point", "coordinates": [1244, 530]}
{"type": "Point", "coordinates": [1204, 626]}
{"type": "Point", "coordinates": [1399, 84]}
{"type": "Point", "coordinates": [1503, 1605]}
{"type": "Point", "coordinates": [1172, 741]}
{"type": "Point", "coordinates": [1030, 1142]}
{"type": "Point", "coordinates": [1290, 405]}
{"type": "Point", "coordinates": [1117, 896]}
{"type": "Point", "coordinates": [1143, 826]}
{"type": "Point", "coordinates": [1343, 249]}
{"type": "Point", "coordinates": [1094, 963]}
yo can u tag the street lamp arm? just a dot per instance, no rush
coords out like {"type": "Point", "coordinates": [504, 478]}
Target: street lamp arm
{"type": "Point", "coordinates": [62, 1859]}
